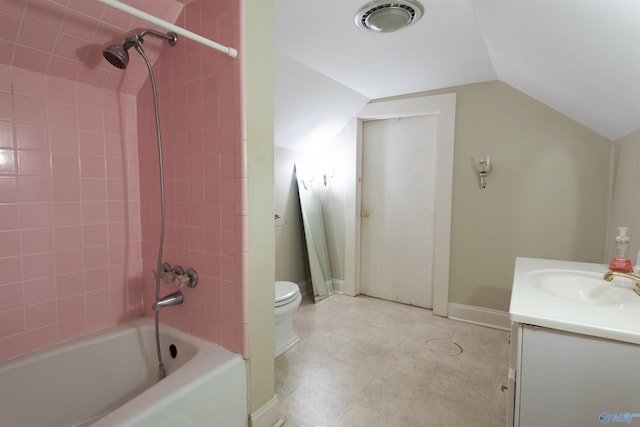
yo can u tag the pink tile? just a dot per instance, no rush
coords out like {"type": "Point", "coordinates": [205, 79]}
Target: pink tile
{"type": "Point", "coordinates": [15, 9]}
{"type": "Point", "coordinates": [116, 189]}
{"type": "Point", "coordinates": [95, 256]}
{"type": "Point", "coordinates": [5, 74]}
{"type": "Point", "coordinates": [50, 16]}
{"type": "Point", "coordinates": [92, 166]}
{"type": "Point", "coordinates": [10, 246]}
{"type": "Point", "coordinates": [63, 140]}
{"type": "Point", "coordinates": [31, 59]}
{"type": "Point", "coordinates": [94, 212]}
{"type": "Point", "coordinates": [70, 307]}
{"type": "Point", "coordinates": [96, 278]}
{"type": "Point", "coordinates": [7, 162]}
{"type": "Point", "coordinates": [41, 337]}
{"type": "Point", "coordinates": [66, 189]}
{"type": "Point", "coordinates": [91, 143]}
{"type": "Point", "coordinates": [6, 135]}
{"type": "Point", "coordinates": [97, 300]}
{"type": "Point", "coordinates": [29, 83]}
{"type": "Point", "coordinates": [10, 214]}
{"type": "Point", "coordinates": [12, 296]}
{"type": "Point", "coordinates": [70, 284]}
{"type": "Point", "coordinates": [68, 261]}
{"type": "Point", "coordinates": [60, 90]}
{"type": "Point", "coordinates": [8, 189]}
{"type": "Point", "coordinates": [68, 46]}
{"type": "Point", "coordinates": [37, 37]}
{"type": "Point", "coordinates": [30, 109]}
{"type": "Point", "coordinates": [64, 67]}
{"type": "Point", "coordinates": [90, 120]}
{"type": "Point", "coordinates": [62, 115]}
{"type": "Point", "coordinates": [34, 162]}
{"type": "Point", "coordinates": [12, 346]}
{"type": "Point", "coordinates": [36, 214]}
{"type": "Point", "coordinates": [41, 314]}
{"type": "Point", "coordinates": [35, 188]}
{"type": "Point", "coordinates": [94, 234]}
{"type": "Point", "coordinates": [12, 322]}
{"type": "Point", "coordinates": [35, 240]}
{"type": "Point", "coordinates": [11, 270]}
{"type": "Point", "coordinates": [39, 290]}
{"type": "Point", "coordinates": [72, 328]}
{"type": "Point", "coordinates": [93, 189]}
{"type": "Point", "coordinates": [67, 237]}
{"type": "Point", "coordinates": [31, 136]}
{"type": "Point", "coordinates": [6, 112]}
{"type": "Point", "coordinates": [67, 213]}
{"type": "Point", "coordinates": [38, 265]}
{"type": "Point", "coordinates": [65, 164]}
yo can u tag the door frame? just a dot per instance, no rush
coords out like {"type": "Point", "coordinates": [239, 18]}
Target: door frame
{"type": "Point", "coordinates": [444, 106]}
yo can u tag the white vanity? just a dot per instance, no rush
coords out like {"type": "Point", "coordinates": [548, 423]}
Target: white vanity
{"type": "Point", "coordinates": [575, 355]}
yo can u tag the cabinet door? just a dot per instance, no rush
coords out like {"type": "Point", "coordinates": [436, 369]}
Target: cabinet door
{"type": "Point", "coordinates": [575, 380]}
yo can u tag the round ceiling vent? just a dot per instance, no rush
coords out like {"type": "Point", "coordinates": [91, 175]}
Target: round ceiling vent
{"type": "Point", "coordinates": [384, 16]}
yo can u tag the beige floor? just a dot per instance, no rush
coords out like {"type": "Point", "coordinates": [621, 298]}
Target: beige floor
{"type": "Point", "coordinates": [368, 362]}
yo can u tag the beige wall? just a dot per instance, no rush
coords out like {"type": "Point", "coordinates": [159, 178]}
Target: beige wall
{"type": "Point", "coordinates": [547, 196]}
{"type": "Point", "coordinates": [291, 257]}
{"type": "Point", "coordinates": [625, 204]}
{"type": "Point", "coordinates": [258, 63]}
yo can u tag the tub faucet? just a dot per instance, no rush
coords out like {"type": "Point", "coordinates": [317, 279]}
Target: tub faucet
{"type": "Point", "coordinates": [609, 275]}
{"type": "Point", "coordinates": [171, 299]}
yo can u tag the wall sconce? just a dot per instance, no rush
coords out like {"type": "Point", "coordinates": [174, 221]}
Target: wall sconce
{"type": "Point", "coordinates": [483, 167]}
{"type": "Point", "coordinates": [327, 174]}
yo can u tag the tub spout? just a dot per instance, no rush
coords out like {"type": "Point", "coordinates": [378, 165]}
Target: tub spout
{"type": "Point", "coordinates": [171, 299]}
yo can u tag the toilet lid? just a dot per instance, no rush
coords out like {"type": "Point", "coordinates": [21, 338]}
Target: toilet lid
{"type": "Point", "coordinates": [286, 292]}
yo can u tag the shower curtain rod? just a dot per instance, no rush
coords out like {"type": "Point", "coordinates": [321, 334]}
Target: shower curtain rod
{"type": "Point", "coordinates": [169, 26]}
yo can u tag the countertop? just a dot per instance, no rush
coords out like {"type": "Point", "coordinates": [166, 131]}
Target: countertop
{"type": "Point", "coordinates": [535, 307]}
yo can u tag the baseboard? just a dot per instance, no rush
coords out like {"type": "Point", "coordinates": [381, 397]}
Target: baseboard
{"type": "Point", "coordinates": [305, 287]}
{"type": "Point", "coordinates": [480, 316]}
{"type": "Point", "coordinates": [338, 286]}
{"type": "Point", "coordinates": [268, 415]}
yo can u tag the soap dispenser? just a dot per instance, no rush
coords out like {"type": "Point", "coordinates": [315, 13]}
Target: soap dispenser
{"type": "Point", "coordinates": [621, 261]}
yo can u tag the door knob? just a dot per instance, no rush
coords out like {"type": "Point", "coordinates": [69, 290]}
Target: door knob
{"type": "Point", "coordinates": [364, 213]}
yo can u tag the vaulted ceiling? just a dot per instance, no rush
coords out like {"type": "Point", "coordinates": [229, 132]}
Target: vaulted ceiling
{"type": "Point", "coordinates": [580, 57]}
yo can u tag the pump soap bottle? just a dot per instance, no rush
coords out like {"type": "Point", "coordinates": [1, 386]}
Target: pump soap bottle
{"type": "Point", "coordinates": [621, 261]}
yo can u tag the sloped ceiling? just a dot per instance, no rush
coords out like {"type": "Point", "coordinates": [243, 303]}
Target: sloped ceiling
{"type": "Point", "coordinates": [580, 57]}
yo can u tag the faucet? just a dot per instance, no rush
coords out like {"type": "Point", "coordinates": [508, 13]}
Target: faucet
{"type": "Point", "coordinates": [175, 298]}
{"type": "Point", "coordinates": [609, 275]}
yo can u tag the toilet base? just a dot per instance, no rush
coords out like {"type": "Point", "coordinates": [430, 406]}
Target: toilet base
{"type": "Point", "coordinates": [285, 337]}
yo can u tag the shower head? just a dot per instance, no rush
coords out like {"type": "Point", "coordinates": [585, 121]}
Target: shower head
{"type": "Point", "coordinates": [118, 55]}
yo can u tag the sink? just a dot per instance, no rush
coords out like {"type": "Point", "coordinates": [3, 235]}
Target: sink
{"type": "Point", "coordinates": [580, 286]}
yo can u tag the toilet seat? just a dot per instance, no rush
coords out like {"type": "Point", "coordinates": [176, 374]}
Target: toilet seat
{"type": "Point", "coordinates": [285, 293]}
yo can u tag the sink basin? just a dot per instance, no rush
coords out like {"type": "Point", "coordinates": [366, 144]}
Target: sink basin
{"type": "Point", "coordinates": [581, 286]}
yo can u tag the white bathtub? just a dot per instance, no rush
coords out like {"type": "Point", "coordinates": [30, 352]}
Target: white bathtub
{"type": "Point", "coordinates": [109, 379]}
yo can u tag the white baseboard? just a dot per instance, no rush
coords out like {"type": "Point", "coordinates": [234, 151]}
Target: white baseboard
{"type": "Point", "coordinates": [480, 316]}
{"type": "Point", "coordinates": [338, 286]}
{"type": "Point", "coordinates": [268, 415]}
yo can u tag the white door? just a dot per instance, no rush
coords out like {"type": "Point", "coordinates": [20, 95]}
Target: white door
{"type": "Point", "coordinates": [397, 224]}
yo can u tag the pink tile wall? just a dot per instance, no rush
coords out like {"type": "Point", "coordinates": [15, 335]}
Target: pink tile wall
{"type": "Point", "coordinates": [199, 99]}
{"type": "Point", "coordinates": [70, 252]}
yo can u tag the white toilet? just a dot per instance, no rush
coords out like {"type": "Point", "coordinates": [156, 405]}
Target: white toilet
{"type": "Point", "coordinates": [287, 299]}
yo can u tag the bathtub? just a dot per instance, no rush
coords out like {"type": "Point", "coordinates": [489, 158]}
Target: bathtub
{"type": "Point", "coordinates": [109, 379]}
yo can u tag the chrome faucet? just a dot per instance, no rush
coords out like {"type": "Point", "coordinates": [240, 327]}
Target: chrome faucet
{"type": "Point", "coordinates": [609, 275]}
{"type": "Point", "coordinates": [175, 298]}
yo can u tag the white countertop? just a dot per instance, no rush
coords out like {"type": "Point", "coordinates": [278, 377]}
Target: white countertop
{"type": "Point", "coordinates": [535, 307]}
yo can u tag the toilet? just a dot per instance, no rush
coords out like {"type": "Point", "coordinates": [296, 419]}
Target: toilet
{"type": "Point", "coordinates": [287, 299]}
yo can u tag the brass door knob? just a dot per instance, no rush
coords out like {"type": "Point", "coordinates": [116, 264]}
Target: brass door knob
{"type": "Point", "coordinates": [364, 213]}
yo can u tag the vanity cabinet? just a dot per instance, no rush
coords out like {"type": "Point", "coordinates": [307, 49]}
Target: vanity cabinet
{"type": "Point", "coordinates": [568, 379]}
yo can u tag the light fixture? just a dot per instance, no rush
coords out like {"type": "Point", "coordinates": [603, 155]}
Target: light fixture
{"type": "Point", "coordinates": [327, 174]}
{"type": "Point", "coordinates": [483, 167]}
{"type": "Point", "coordinates": [386, 16]}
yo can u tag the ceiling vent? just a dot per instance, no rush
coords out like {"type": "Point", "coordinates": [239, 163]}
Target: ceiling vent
{"type": "Point", "coordinates": [384, 16]}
